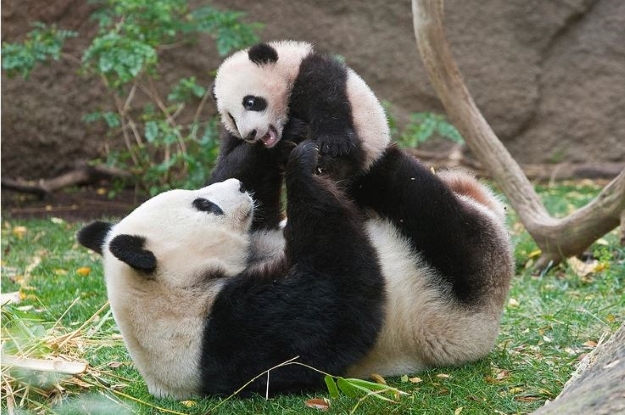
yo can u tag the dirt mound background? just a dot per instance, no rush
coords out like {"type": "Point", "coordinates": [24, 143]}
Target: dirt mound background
{"type": "Point", "coordinates": [548, 76]}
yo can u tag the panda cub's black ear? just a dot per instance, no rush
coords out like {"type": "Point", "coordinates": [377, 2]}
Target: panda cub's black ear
{"type": "Point", "coordinates": [262, 54]}
{"type": "Point", "coordinates": [92, 236]}
{"type": "Point", "coordinates": [130, 249]}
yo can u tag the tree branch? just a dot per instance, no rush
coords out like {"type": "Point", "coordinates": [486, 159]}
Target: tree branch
{"type": "Point", "coordinates": [557, 238]}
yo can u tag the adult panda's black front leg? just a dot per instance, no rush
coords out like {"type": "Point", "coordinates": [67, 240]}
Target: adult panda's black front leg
{"type": "Point", "coordinates": [324, 306]}
{"type": "Point", "coordinates": [260, 170]}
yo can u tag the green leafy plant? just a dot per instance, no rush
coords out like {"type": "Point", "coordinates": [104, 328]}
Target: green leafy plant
{"type": "Point", "coordinates": [42, 44]}
{"type": "Point", "coordinates": [425, 125]}
{"type": "Point", "coordinates": [162, 138]}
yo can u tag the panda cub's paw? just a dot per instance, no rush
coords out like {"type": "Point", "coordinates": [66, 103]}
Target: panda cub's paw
{"type": "Point", "coordinates": [303, 158]}
{"type": "Point", "coordinates": [335, 145]}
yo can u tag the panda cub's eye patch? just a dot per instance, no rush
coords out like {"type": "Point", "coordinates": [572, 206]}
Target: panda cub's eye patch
{"type": "Point", "coordinates": [205, 205]}
{"type": "Point", "coordinates": [252, 103]}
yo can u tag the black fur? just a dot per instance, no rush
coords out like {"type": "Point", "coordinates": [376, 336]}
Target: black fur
{"type": "Point", "coordinates": [130, 249]}
{"type": "Point", "coordinates": [449, 236]}
{"type": "Point", "coordinates": [319, 98]}
{"type": "Point", "coordinates": [325, 306]}
{"type": "Point", "coordinates": [92, 236]}
{"type": "Point", "coordinates": [262, 54]}
{"type": "Point", "coordinates": [259, 169]}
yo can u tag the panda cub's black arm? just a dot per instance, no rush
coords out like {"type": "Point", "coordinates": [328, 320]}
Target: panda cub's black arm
{"type": "Point", "coordinates": [260, 171]}
{"type": "Point", "coordinates": [326, 307]}
{"type": "Point", "coordinates": [319, 97]}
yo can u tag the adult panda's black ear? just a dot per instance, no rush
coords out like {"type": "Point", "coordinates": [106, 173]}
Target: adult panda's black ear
{"type": "Point", "coordinates": [262, 54]}
{"type": "Point", "coordinates": [92, 236]}
{"type": "Point", "coordinates": [130, 249]}
{"type": "Point", "coordinates": [213, 92]}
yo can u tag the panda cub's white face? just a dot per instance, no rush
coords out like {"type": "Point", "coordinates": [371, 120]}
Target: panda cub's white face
{"type": "Point", "coordinates": [253, 99]}
{"type": "Point", "coordinates": [191, 231]}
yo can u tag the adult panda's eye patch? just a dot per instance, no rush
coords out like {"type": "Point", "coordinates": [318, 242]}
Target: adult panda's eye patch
{"type": "Point", "coordinates": [252, 103]}
{"type": "Point", "coordinates": [205, 205]}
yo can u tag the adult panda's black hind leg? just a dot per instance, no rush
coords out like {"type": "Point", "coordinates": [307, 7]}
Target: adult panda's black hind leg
{"type": "Point", "coordinates": [449, 236]}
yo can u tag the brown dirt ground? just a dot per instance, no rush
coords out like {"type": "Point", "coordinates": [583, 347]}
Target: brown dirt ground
{"type": "Point", "coordinates": [72, 204]}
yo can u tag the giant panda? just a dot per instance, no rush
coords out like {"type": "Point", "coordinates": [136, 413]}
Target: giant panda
{"type": "Point", "coordinates": [444, 249]}
{"type": "Point", "coordinates": [286, 90]}
{"type": "Point", "coordinates": [200, 318]}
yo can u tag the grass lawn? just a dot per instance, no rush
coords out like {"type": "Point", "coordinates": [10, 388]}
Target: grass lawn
{"type": "Point", "coordinates": [550, 322]}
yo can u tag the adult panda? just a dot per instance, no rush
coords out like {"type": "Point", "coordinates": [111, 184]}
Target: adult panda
{"type": "Point", "coordinates": [198, 320]}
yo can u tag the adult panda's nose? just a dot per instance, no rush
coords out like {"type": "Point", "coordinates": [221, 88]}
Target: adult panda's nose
{"type": "Point", "coordinates": [251, 136]}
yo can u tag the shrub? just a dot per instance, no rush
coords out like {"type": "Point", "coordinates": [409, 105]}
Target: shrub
{"type": "Point", "coordinates": [159, 148]}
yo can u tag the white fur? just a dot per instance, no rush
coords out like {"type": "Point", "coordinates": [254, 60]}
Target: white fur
{"type": "Point", "coordinates": [162, 315]}
{"type": "Point", "coordinates": [369, 118]}
{"type": "Point", "coordinates": [424, 327]}
{"type": "Point", "coordinates": [238, 76]}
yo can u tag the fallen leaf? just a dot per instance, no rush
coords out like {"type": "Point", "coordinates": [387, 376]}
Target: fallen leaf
{"type": "Point", "coordinates": [19, 231]}
{"type": "Point", "coordinates": [189, 404]}
{"type": "Point", "coordinates": [443, 376]}
{"type": "Point", "coordinates": [502, 374]}
{"type": "Point", "coordinates": [320, 404]}
{"type": "Point", "coordinates": [83, 271]}
{"type": "Point", "coordinates": [513, 302]}
{"type": "Point", "coordinates": [458, 410]}
{"type": "Point", "coordinates": [378, 379]}
{"type": "Point", "coordinates": [10, 298]}
{"type": "Point", "coordinates": [581, 268]}
{"type": "Point", "coordinates": [526, 398]}
{"type": "Point", "coordinates": [590, 344]}
{"type": "Point", "coordinates": [415, 380]}
{"type": "Point", "coordinates": [404, 378]}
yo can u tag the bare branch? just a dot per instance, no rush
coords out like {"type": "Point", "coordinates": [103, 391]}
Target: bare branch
{"type": "Point", "coordinates": [557, 238]}
{"type": "Point", "coordinates": [83, 174]}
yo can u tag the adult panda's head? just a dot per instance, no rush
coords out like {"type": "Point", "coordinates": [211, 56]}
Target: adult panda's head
{"type": "Point", "coordinates": [164, 264]}
{"type": "Point", "coordinates": [252, 89]}
{"type": "Point", "coordinates": [177, 235]}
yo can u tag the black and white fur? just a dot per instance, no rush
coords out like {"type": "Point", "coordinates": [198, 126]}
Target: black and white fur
{"type": "Point", "coordinates": [442, 244]}
{"type": "Point", "coordinates": [286, 90]}
{"type": "Point", "coordinates": [198, 319]}
{"type": "Point", "coordinates": [441, 238]}
{"type": "Point", "coordinates": [447, 262]}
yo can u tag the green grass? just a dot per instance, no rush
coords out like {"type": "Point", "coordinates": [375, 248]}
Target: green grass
{"type": "Point", "coordinates": [550, 322]}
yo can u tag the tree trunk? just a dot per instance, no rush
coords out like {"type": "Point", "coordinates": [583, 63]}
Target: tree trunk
{"type": "Point", "coordinates": [598, 386]}
{"type": "Point", "coordinates": [557, 238]}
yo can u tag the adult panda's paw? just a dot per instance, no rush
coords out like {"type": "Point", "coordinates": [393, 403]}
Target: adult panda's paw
{"type": "Point", "coordinates": [303, 158]}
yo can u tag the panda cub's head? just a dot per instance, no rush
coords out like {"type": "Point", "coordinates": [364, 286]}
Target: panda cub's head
{"type": "Point", "coordinates": [178, 234]}
{"type": "Point", "coordinates": [252, 89]}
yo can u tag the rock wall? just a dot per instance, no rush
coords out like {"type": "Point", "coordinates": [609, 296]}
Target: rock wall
{"type": "Point", "coordinates": [549, 76]}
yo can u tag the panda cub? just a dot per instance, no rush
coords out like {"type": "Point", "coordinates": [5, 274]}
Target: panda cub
{"type": "Point", "coordinates": [197, 320]}
{"type": "Point", "coordinates": [285, 90]}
